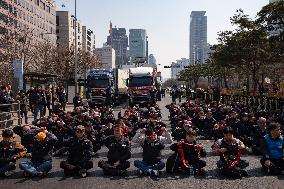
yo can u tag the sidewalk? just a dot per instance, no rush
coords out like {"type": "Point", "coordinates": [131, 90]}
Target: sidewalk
{"type": "Point", "coordinates": [69, 107]}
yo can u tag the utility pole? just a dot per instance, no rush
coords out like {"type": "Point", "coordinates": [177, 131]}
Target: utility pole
{"type": "Point", "coordinates": [76, 49]}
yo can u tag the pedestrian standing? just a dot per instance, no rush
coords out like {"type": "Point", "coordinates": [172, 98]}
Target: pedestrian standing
{"type": "Point", "coordinates": [5, 106]}
{"type": "Point", "coordinates": [48, 95]}
{"type": "Point", "coordinates": [62, 98]}
{"type": "Point", "coordinates": [24, 104]}
{"type": "Point", "coordinates": [40, 103]}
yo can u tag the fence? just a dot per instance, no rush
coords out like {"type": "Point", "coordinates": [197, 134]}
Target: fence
{"type": "Point", "coordinates": [268, 103]}
{"type": "Point", "coordinates": [8, 117]}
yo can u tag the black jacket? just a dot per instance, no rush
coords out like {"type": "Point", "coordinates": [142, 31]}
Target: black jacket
{"type": "Point", "coordinates": [42, 151]}
{"type": "Point", "coordinates": [8, 152]}
{"type": "Point", "coordinates": [258, 135]}
{"type": "Point", "coordinates": [77, 101]}
{"type": "Point", "coordinates": [208, 125]}
{"type": "Point", "coordinates": [179, 134]}
{"type": "Point", "coordinates": [40, 98]}
{"type": "Point", "coordinates": [233, 122]}
{"type": "Point", "coordinates": [118, 150]}
{"type": "Point", "coordinates": [152, 152]}
{"type": "Point", "coordinates": [245, 129]}
{"type": "Point", "coordinates": [190, 153]}
{"type": "Point", "coordinates": [4, 99]}
{"type": "Point", "coordinates": [80, 151]}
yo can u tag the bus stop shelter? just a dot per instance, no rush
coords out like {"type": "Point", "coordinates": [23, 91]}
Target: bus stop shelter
{"type": "Point", "coordinates": [36, 79]}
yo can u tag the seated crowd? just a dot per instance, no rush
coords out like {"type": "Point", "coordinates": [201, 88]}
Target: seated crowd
{"type": "Point", "coordinates": [80, 134]}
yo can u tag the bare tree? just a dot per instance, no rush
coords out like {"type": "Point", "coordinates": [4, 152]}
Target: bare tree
{"type": "Point", "coordinates": [87, 60]}
{"type": "Point", "coordinates": [16, 44]}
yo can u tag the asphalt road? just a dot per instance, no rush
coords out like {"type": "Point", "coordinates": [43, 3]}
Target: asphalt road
{"type": "Point", "coordinates": [56, 179]}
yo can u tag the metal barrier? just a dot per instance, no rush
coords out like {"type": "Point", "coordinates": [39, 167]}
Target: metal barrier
{"type": "Point", "coordinates": [268, 103]}
{"type": "Point", "coordinates": [7, 116]}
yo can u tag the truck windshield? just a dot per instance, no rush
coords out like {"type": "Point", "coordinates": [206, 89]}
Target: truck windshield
{"type": "Point", "coordinates": [98, 83]}
{"type": "Point", "coordinates": [140, 81]}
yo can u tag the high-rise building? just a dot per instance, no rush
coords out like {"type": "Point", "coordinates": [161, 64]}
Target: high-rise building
{"type": "Point", "coordinates": [178, 66]}
{"type": "Point", "coordinates": [137, 44]}
{"type": "Point", "coordinates": [147, 50]}
{"type": "Point", "coordinates": [152, 59]}
{"type": "Point", "coordinates": [198, 50]}
{"type": "Point", "coordinates": [88, 40]}
{"type": "Point", "coordinates": [107, 56]}
{"type": "Point", "coordinates": [118, 40]}
{"type": "Point", "coordinates": [65, 30]}
{"type": "Point", "coordinates": [32, 16]}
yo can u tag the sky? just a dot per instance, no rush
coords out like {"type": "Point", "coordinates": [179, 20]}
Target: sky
{"type": "Point", "coordinates": [166, 21]}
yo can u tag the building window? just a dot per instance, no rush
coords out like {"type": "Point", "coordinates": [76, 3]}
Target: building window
{"type": "Point", "coordinates": [4, 5]}
{"type": "Point", "coordinates": [47, 8]}
{"type": "Point", "coordinates": [3, 30]}
{"type": "Point", "coordinates": [42, 5]}
{"type": "Point", "coordinates": [4, 18]}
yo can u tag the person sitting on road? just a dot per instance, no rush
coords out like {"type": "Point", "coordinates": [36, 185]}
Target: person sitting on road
{"type": "Point", "coordinates": [152, 146]}
{"type": "Point", "coordinates": [229, 149]}
{"type": "Point", "coordinates": [179, 133]}
{"type": "Point", "coordinates": [208, 125]}
{"type": "Point", "coordinates": [10, 152]}
{"type": "Point", "coordinates": [260, 131]}
{"type": "Point", "coordinates": [118, 154]}
{"type": "Point", "coordinates": [245, 129]}
{"type": "Point", "coordinates": [273, 145]}
{"type": "Point", "coordinates": [41, 155]}
{"type": "Point", "coordinates": [80, 153]}
{"type": "Point", "coordinates": [218, 130]}
{"type": "Point", "coordinates": [93, 136]}
{"type": "Point", "coordinates": [233, 121]}
{"type": "Point", "coordinates": [27, 133]}
{"type": "Point", "coordinates": [186, 157]}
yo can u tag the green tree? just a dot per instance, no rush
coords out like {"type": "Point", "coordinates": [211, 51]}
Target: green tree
{"type": "Point", "coordinates": [271, 17]}
{"type": "Point", "coordinates": [170, 82]}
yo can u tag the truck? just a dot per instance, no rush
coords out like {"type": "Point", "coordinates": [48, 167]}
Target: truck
{"type": "Point", "coordinates": [106, 87]}
{"type": "Point", "coordinates": [142, 85]}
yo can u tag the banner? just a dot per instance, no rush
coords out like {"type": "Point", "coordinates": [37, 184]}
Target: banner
{"type": "Point", "coordinates": [18, 68]}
